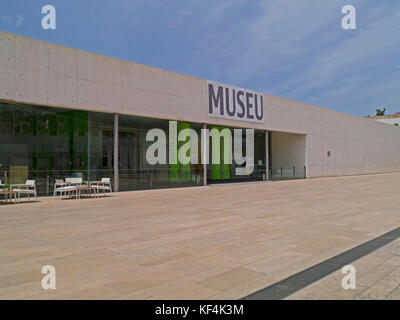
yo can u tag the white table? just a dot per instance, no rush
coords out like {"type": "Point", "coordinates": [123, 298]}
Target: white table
{"type": "Point", "coordinates": [9, 192]}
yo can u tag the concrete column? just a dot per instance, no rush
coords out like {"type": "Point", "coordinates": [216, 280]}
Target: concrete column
{"type": "Point", "coordinates": [266, 156]}
{"type": "Point", "coordinates": [116, 153]}
{"type": "Point", "coordinates": [204, 154]}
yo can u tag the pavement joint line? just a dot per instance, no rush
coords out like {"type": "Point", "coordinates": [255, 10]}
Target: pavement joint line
{"type": "Point", "coordinates": [286, 287]}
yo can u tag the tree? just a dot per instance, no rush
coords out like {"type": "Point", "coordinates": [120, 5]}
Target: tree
{"type": "Point", "coordinates": [380, 112]}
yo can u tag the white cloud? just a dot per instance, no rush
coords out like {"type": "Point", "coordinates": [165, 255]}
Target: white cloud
{"type": "Point", "coordinates": [352, 54]}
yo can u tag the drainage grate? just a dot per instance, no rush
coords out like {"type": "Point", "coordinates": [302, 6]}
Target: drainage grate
{"type": "Point", "coordinates": [290, 285]}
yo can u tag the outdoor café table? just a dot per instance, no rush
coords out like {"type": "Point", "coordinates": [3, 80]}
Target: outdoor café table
{"type": "Point", "coordinates": [9, 192]}
{"type": "Point", "coordinates": [88, 189]}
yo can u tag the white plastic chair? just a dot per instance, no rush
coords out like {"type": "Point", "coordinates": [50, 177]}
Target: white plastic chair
{"type": "Point", "coordinates": [67, 187]}
{"type": "Point", "coordinates": [61, 187]}
{"type": "Point", "coordinates": [28, 188]}
{"type": "Point", "coordinates": [71, 185]}
{"type": "Point", "coordinates": [103, 185]}
{"type": "Point", "coordinates": [74, 181]}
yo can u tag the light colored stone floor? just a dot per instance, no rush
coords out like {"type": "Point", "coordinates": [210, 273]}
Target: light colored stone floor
{"type": "Point", "coordinates": [377, 278]}
{"type": "Point", "coordinates": [195, 243]}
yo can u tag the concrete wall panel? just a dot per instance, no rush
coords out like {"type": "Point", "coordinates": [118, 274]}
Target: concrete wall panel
{"type": "Point", "coordinates": [62, 90]}
{"type": "Point", "coordinates": [31, 85]}
{"type": "Point", "coordinates": [64, 61]}
{"type": "Point", "coordinates": [7, 49]}
{"type": "Point", "coordinates": [90, 93]}
{"type": "Point", "coordinates": [7, 82]}
{"type": "Point", "coordinates": [32, 55]}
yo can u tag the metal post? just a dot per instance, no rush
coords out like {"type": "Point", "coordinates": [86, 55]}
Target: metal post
{"type": "Point", "coordinates": [47, 185]}
{"type": "Point", "coordinates": [151, 179]}
{"type": "Point", "coordinates": [5, 182]}
{"type": "Point", "coordinates": [116, 154]}
{"type": "Point", "coordinates": [204, 154]}
{"type": "Point", "coordinates": [266, 156]}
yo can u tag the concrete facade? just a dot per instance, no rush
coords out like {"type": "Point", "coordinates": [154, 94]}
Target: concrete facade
{"type": "Point", "coordinates": [41, 73]}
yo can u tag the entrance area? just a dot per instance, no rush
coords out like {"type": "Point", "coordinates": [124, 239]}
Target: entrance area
{"type": "Point", "coordinates": [287, 156]}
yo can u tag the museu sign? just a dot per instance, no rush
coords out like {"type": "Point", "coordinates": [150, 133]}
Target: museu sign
{"type": "Point", "coordinates": [234, 103]}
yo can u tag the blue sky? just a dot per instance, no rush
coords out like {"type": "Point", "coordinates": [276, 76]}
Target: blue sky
{"type": "Point", "coordinates": [293, 49]}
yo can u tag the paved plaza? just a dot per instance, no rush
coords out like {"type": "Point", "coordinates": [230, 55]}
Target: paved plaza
{"type": "Point", "coordinates": [214, 242]}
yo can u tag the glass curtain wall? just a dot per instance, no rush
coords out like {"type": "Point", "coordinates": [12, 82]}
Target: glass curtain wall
{"type": "Point", "coordinates": [44, 144]}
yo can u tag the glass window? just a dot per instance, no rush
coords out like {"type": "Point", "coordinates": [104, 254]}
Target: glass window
{"type": "Point", "coordinates": [135, 171]}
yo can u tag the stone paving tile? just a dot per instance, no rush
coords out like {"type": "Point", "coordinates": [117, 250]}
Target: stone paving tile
{"type": "Point", "coordinates": [171, 286]}
{"type": "Point", "coordinates": [190, 292]}
{"type": "Point", "coordinates": [96, 293]}
{"type": "Point", "coordinates": [230, 279]}
{"type": "Point", "coordinates": [243, 289]}
{"type": "Point", "coordinates": [211, 242]}
{"type": "Point", "coordinates": [271, 264]}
